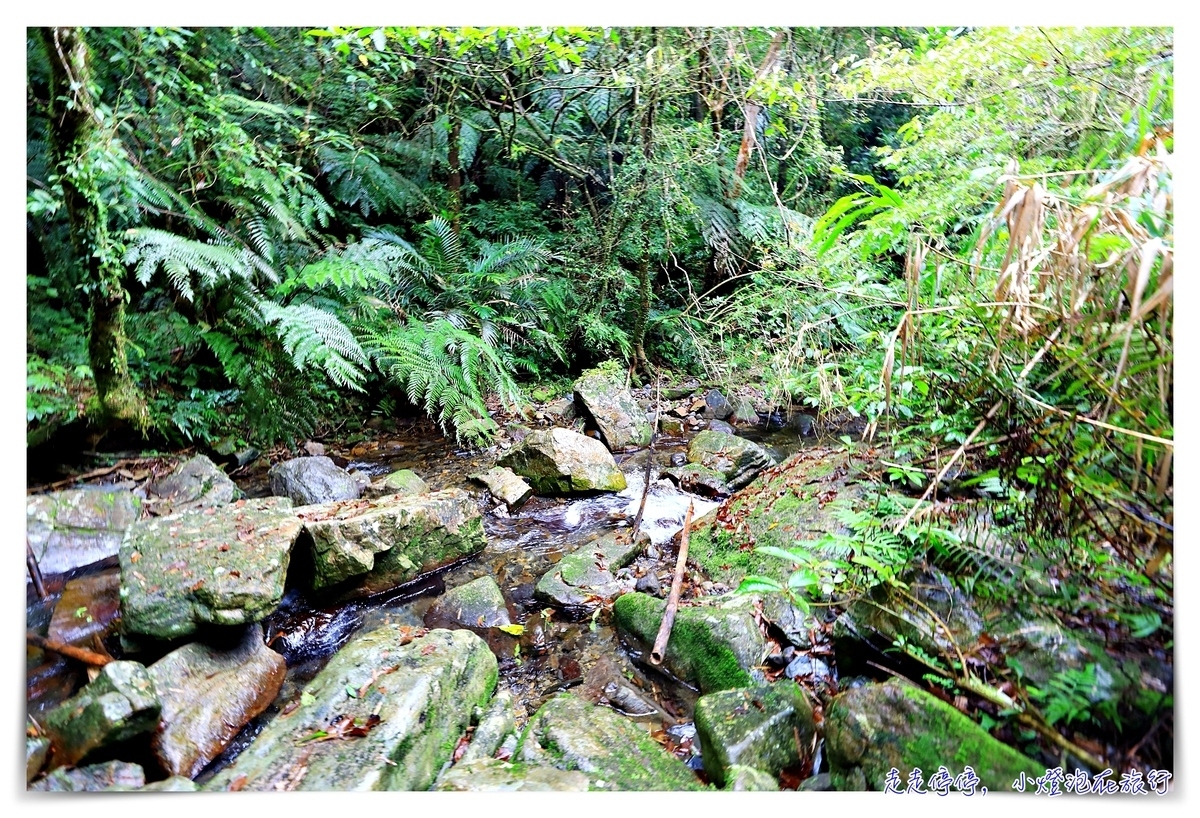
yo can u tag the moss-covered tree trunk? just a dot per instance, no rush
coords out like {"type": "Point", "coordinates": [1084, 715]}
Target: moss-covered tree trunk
{"type": "Point", "coordinates": [73, 126]}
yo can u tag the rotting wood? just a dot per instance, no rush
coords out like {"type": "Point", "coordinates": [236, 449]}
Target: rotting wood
{"type": "Point", "coordinates": [664, 630]}
{"type": "Point", "coordinates": [84, 655]}
{"type": "Point", "coordinates": [35, 572]}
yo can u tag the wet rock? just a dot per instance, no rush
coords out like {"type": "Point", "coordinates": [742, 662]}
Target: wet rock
{"type": "Point", "coordinates": [71, 529]}
{"type": "Point", "coordinates": [93, 778]}
{"type": "Point", "coordinates": [208, 694]}
{"type": "Point", "coordinates": [678, 459]}
{"type": "Point", "coordinates": [403, 481]}
{"type": "Point", "coordinates": [478, 604]}
{"type": "Point", "coordinates": [700, 480]}
{"type": "Point", "coordinates": [121, 702]}
{"type": "Point", "coordinates": [671, 427]}
{"type": "Point", "coordinates": [613, 752]}
{"type": "Point", "coordinates": [505, 486]}
{"type": "Point", "coordinates": [676, 392]}
{"type": "Point", "coordinates": [720, 426]}
{"type": "Point", "coordinates": [36, 748]}
{"type": "Point", "coordinates": [494, 775]}
{"type": "Point", "coordinates": [363, 481]}
{"type": "Point", "coordinates": [716, 405]}
{"type": "Point", "coordinates": [563, 407]}
{"type": "Point", "coordinates": [744, 411]}
{"type": "Point", "coordinates": [88, 607]}
{"type": "Point", "coordinates": [648, 584]}
{"type": "Point", "coordinates": [768, 728]}
{"type": "Point", "coordinates": [495, 724]}
{"type": "Point", "coordinates": [737, 459]}
{"type": "Point", "coordinates": [804, 424]}
{"type": "Point", "coordinates": [809, 668]}
{"type": "Point", "coordinates": [714, 649]}
{"type": "Point", "coordinates": [622, 423]}
{"type": "Point", "coordinates": [195, 484]}
{"type": "Point", "coordinates": [310, 480]}
{"type": "Point", "coordinates": [748, 779]}
{"type": "Point", "coordinates": [218, 566]}
{"type": "Point", "coordinates": [176, 783]}
{"type": "Point", "coordinates": [383, 543]}
{"type": "Point", "coordinates": [586, 576]}
{"type": "Point", "coordinates": [314, 449]}
{"type": "Point", "coordinates": [422, 692]}
{"type": "Point", "coordinates": [559, 461]}
{"type": "Point", "coordinates": [821, 782]}
{"type": "Point", "coordinates": [872, 729]}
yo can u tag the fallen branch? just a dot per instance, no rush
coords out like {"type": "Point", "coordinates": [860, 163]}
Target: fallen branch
{"type": "Point", "coordinates": [664, 630]}
{"type": "Point", "coordinates": [35, 572]}
{"type": "Point", "coordinates": [120, 464]}
{"type": "Point", "coordinates": [84, 655]}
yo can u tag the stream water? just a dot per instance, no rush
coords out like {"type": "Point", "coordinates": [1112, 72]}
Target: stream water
{"type": "Point", "coordinates": [558, 650]}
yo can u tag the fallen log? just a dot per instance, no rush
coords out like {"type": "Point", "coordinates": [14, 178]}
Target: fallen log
{"type": "Point", "coordinates": [84, 655]}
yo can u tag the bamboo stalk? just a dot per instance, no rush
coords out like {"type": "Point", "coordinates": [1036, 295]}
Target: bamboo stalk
{"type": "Point", "coordinates": [88, 657]}
{"type": "Point", "coordinates": [664, 630]}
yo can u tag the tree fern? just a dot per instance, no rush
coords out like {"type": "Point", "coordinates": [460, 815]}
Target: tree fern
{"type": "Point", "coordinates": [313, 336]}
{"type": "Point", "coordinates": [181, 258]}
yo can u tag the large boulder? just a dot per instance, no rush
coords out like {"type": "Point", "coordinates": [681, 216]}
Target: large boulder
{"type": "Point", "coordinates": [383, 543]}
{"type": "Point", "coordinates": [494, 775]}
{"type": "Point", "coordinates": [698, 479]}
{"type": "Point", "coordinates": [717, 405]}
{"type": "Point", "coordinates": [88, 607]}
{"type": "Point", "coordinates": [612, 751]}
{"type": "Point", "coordinates": [587, 574]}
{"type": "Point", "coordinates": [384, 714]}
{"type": "Point", "coordinates": [477, 604]}
{"type": "Point", "coordinates": [310, 480]}
{"type": "Point", "coordinates": [505, 486]}
{"type": "Point", "coordinates": [71, 529]}
{"type": "Point", "coordinates": [871, 729]}
{"type": "Point", "coordinates": [736, 459]}
{"type": "Point", "coordinates": [559, 461]}
{"type": "Point", "coordinates": [212, 567]}
{"type": "Point", "coordinates": [121, 702]}
{"type": "Point", "coordinates": [208, 694]}
{"type": "Point", "coordinates": [769, 728]}
{"type": "Point", "coordinates": [712, 648]}
{"type": "Point", "coordinates": [195, 484]}
{"type": "Point", "coordinates": [622, 423]}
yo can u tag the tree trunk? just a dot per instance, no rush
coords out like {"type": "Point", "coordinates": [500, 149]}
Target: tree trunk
{"type": "Point", "coordinates": [752, 109]}
{"type": "Point", "coordinates": [72, 130]}
{"type": "Point", "coordinates": [455, 182]}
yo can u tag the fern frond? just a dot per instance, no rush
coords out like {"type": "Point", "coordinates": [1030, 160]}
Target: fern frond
{"type": "Point", "coordinates": [181, 258]}
{"type": "Point", "coordinates": [311, 335]}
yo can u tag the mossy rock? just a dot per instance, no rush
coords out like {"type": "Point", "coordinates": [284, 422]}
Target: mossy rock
{"type": "Point", "coordinates": [872, 729]}
{"type": "Point", "coordinates": [494, 775]}
{"type": "Point", "coordinates": [715, 649]}
{"type": "Point", "coordinates": [560, 461]}
{"type": "Point", "coordinates": [622, 423]}
{"type": "Point", "coordinates": [767, 727]}
{"type": "Point", "coordinates": [614, 753]}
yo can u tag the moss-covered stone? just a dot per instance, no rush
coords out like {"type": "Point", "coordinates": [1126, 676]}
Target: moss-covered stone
{"type": "Point", "coordinates": [622, 423]}
{"type": "Point", "coordinates": [613, 752]}
{"type": "Point", "coordinates": [494, 775]}
{"type": "Point", "coordinates": [586, 576]}
{"type": "Point", "coordinates": [560, 461]}
{"type": "Point", "coordinates": [788, 504]}
{"type": "Point", "coordinates": [700, 480]}
{"type": "Point", "coordinates": [494, 725]}
{"type": "Point", "coordinates": [712, 648]}
{"type": "Point", "coordinates": [737, 459]}
{"type": "Point", "coordinates": [121, 702]}
{"type": "Point", "coordinates": [194, 484]}
{"type": "Point", "coordinates": [748, 779]}
{"type": "Point", "coordinates": [767, 727]}
{"type": "Point", "coordinates": [386, 542]}
{"type": "Point", "coordinates": [423, 692]}
{"type": "Point", "coordinates": [222, 567]}
{"type": "Point", "coordinates": [74, 528]}
{"type": "Point", "coordinates": [111, 775]}
{"type": "Point", "coordinates": [402, 481]}
{"type": "Point", "coordinates": [477, 604]}
{"type": "Point", "coordinates": [505, 486]}
{"type": "Point", "coordinates": [874, 728]}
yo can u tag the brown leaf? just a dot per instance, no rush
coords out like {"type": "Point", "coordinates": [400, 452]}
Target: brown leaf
{"type": "Point", "coordinates": [196, 586]}
{"type": "Point", "coordinates": [134, 557]}
{"type": "Point", "coordinates": [237, 783]}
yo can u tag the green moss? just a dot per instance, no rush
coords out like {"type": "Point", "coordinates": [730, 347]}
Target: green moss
{"type": "Point", "coordinates": [693, 652]}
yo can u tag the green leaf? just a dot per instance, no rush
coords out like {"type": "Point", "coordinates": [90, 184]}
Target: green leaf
{"type": "Point", "coordinates": [515, 630]}
{"type": "Point", "coordinates": [758, 585]}
{"type": "Point", "coordinates": [307, 699]}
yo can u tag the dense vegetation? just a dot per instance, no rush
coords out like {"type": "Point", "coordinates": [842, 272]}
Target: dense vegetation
{"type": "Point", "coordinates": [964, 236]}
